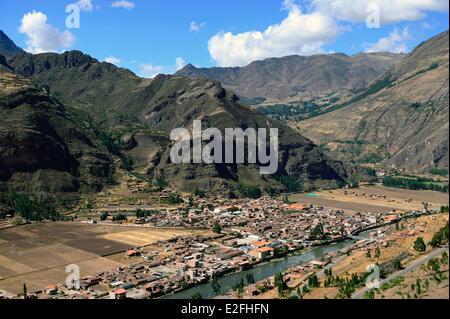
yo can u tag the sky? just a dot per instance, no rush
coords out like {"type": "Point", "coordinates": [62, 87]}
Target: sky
{"type": "Point", "coordinates": [161, 36]}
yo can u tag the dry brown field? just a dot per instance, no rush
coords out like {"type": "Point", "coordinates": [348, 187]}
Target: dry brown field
{"type": "Point", "coordinates": [37, 254]}
{"type": "Point", "coordinates": [359, 200]}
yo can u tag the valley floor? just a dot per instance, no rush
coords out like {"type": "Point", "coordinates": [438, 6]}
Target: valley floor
{"type": "Point", "coordinates": [37, 254]}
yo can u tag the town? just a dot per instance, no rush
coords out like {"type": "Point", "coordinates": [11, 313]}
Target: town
{"type": "Point", "coordinates": [236, 235]}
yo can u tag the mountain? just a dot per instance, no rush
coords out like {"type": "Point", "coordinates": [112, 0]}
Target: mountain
{"type": "Point", "coordinates": [7, 47]}
{"type": "Point", "coordinates": [42, 148]}
{"type": "Point", "coordinates": [138, 114]}
{"type": "Point", "coordinates": [293, 78]}
{"type": "Point", "coordinates": [401, 120]}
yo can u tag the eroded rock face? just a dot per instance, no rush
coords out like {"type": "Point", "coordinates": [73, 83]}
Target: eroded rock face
{"type": "Point", "coordinates": [405, 124]}
{"type": "Point", "coordinates": [143, 112]}
{"type": "Point", "coordinates": [45, 181]}
{"type": "Point", "coordinates": [41, 148]}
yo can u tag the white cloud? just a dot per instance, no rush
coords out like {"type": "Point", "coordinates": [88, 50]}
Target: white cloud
{"type": "Point", "coordinates": [391, 11]}
{"type": "Point", "coordinates": [396, 42]}
{"type": "Point", "coordinates": [179, 63]}
{"type": "Point", "coordinates": [43, 37]}
{"type": "Point", "coordinates": [150, 70]}
{"type": "Point", "coordinates": [85, 5]}
{"type": "Point", "coordinates": [123, 4]}
{"type": "Point", "coordinates": [194, 27]}
{"type": "Point", "coordinates": [298, 33]}
{"type": "Point", "coordinates": [113, 60]}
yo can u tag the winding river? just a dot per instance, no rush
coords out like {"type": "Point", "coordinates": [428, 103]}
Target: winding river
{"type": "Point", "coordinates": [264, 270]}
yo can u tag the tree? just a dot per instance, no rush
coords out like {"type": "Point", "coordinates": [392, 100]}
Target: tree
{"type": "Point", "coordinates": [313, 281]}
{"type": "Point", "coordinates": [318, 232]}
{"type": "Point", "coordinates": [190, 201]}
{"type": "Point", "coordinates": [280, 284]}
{"type": "Point", "coordinates": [436, 241]}
{"type": "Point", "coordinates": [216, 286]}
{"type": "Point", "coordinates": [250, 191]}
{"type": "Point", "coordinates": [250, 278]}
{"type": "Point", "coordinates": [127, 163]}
{"type": "Point", "coordinates": [377, 252]}
{"type": "Point", "coordinates": [370, 294]}
{"type": "Point", "coordinates": [119, 217]}
{"type": "Point", "coordinates": [342, 230]}
{"type": "Point", "coordinates": [445, 230]}
{"type": "Point", "coordinates": [419, 245]}
{"type": "Point", "coordinates": [305, 290]}
{"type": "Point", "coordinates": [197, 295]}
{"type": "Point", "coordinates": [286, 199]}
{"type": "Point", "coordinates": [161, 183]}
{"type": "Point", "coordinates": [25, 291]}
{"type": "Point", "coordinates": [398, 264]}
{"type": "Point", "coordinates": [239, 288]}
{"type": "Point", "coordinates": [418, 287]}
{"type": "Point", "coordinates": [299, 293]}
{"type": "Point", "coordinates": [368, 254]}
{"type": "Point", "coordinates": [264, 287]}
{"type": "Point", "coordinates": [217, 228]}
{"type": "Point", "coordinates": [199, 193]}
{"type": "Point", "coordinates": [104, 216]}
{"type": "Point", "coordinates": [174, 199]}
{"type": "Point", "coordinates": [444, 258]}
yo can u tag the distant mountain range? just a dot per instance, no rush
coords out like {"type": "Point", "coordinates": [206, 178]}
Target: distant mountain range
{"type": "Point", "coordinates": [401, 121]}
{"type": "Point", "coordinates": [108, 113]}
{"type": "Point", "coordinates": [67, 120]}
{"type": "Point", "coordinates": [377, 108]}
{"type": "Point", "coordinates": [298, 77]}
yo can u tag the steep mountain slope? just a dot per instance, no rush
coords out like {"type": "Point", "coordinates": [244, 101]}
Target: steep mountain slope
{"type": "Point", "coordinates": [41, 148]}
{"type": "Point", "coordinates": [404, 123]}
{"type": "Point", "coordinates": [298, 77]}
{"type": "Point", "coordinates": [140, 113]}
{"type": "Point", "coordinates": [7, 47]}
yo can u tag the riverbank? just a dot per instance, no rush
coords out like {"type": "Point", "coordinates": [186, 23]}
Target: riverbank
{"type": "Point", "coordinates": [263, 270]}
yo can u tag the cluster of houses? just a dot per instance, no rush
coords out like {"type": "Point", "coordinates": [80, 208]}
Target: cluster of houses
{"type": "Point", "coordinates": [252, 231]}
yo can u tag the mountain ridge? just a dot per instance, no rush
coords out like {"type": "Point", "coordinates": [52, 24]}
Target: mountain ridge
{"type": "Point", "coordinates": [7, 47]}
{"type": "Point", "coordinates": [403, 125]}
{"type": "Point", "coordinates": [141, 112]}
{"type": "Point", "coordinates": [293, 77]}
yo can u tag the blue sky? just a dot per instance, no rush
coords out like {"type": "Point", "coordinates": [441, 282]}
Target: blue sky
{"type": "Point", "coordinates": [154, 36]}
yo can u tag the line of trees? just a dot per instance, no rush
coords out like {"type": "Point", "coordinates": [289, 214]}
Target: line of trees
{"type": "Point", "coordinates": [250, 191]}
{"type": "Point", "coordinates": [414, 184]}
{"type": "Point", "coordinates": [33, 207]}
{"type": "Point", "coordinates": [440, 237]}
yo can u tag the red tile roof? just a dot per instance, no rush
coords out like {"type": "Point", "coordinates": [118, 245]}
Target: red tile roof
{"type": "Point", "coordinates": [120, 291]}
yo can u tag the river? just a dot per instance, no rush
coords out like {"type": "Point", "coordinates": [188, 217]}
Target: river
{"type": "Point", "coordinates": [264, 270]}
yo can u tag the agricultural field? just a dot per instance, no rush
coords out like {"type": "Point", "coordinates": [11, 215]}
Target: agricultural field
{"type": "Point", "coordinates": [374, 199]}
{"type": "Point", "coordinates": [37, 254]}
{"type": "Point", "coordinates": [147, 236]}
